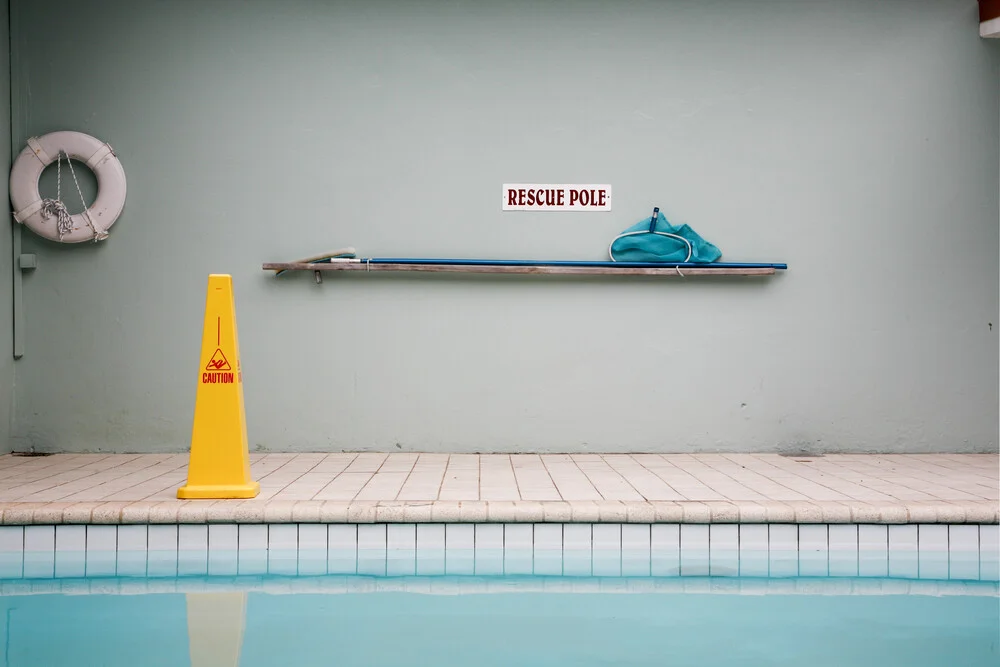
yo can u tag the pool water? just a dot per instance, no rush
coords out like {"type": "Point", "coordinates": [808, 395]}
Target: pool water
{"type": "Point", "coordinates": [498, 621]}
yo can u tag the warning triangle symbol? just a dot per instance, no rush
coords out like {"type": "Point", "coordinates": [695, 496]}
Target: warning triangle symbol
{"type": "Point", "coordinates": [218, 362]}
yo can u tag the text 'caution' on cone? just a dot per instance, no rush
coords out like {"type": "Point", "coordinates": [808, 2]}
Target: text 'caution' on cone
{"type": "Point", "coordinates": [219, 466]}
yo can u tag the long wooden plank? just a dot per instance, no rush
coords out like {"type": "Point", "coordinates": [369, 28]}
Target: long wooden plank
{"type": "Point", "coordinates": [535, 270]}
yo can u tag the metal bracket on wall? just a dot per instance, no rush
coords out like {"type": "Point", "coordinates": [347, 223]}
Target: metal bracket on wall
{"type": "Point", "coordinates": [22, 262]}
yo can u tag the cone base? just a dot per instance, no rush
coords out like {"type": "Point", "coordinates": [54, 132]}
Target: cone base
{"type": "Point", "coordinates": [219, 491]}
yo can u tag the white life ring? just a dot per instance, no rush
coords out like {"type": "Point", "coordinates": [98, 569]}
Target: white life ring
{"type": "Point", "coordinates": [94, 222]}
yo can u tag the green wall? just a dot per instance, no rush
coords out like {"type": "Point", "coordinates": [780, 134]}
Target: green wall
{"type": "Point", "coordinates": [855, 140]}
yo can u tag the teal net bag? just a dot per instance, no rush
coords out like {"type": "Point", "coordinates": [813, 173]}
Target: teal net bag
{"type": "Point", "coordinates": [654, 239]}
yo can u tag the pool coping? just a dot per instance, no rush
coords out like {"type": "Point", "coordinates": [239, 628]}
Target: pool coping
{"type": "Point", "coordinates": [497, 511]}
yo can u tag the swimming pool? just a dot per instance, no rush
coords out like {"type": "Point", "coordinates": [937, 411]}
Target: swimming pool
{"type": "Point", "coordinates": [549, 595]}
{"type": "Point", "coordinates": [548, 622]}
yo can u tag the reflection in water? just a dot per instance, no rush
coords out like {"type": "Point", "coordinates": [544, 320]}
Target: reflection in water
{"type": "Point", "coordinates": [215, 623]}
{"type": "Point", "coordinates": [499, 622]}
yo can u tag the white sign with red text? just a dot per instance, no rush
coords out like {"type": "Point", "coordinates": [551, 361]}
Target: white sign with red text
{"type": "Point", "coordinates": [547, 197]}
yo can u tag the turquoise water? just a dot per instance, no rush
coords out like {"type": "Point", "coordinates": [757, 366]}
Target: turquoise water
{"type": "Point", "coordinates": [488, 622]}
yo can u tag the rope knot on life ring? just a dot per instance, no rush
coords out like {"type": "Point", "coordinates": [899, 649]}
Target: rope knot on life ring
{"type": "Point", "coordinates": [36, 213]}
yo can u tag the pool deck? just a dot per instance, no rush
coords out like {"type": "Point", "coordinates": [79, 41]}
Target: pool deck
{"type": "Point", "coordinates": [470, 488]}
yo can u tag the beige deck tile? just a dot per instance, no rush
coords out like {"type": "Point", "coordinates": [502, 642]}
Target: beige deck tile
{"type": "Point", "coordinates": [344, 486]}
{"type": "Point", "coordinates": [560, 487]}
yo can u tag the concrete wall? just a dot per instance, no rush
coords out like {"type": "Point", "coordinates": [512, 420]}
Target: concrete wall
{"type": "Point", "coordinates": [6, 243]}
{"type": "Point", "coordinates": [855, 140]}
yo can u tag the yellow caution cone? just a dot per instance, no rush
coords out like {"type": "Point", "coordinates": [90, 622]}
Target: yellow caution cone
{"type": "Point", "coordinates": [219, 466]}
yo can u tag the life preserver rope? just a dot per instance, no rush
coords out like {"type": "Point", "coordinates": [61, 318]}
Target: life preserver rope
{"type": "Point", "coordinates": [49, 218]}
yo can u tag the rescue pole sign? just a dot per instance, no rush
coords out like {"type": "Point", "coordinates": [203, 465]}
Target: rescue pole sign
{"type": "Point", "coordinates": [548, 197]}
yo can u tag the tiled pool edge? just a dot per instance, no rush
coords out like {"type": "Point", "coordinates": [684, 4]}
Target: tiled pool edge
{"type": "Point", "coordinates": [493, 511]}
{"type": "Point", "coordinates": [458, 585]}
{"type": "Point", "coordinates": [907, 551]}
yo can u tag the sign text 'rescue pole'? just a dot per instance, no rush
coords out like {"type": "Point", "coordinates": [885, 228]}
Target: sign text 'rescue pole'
{"type": "Point", "coordinates": [549, 197]}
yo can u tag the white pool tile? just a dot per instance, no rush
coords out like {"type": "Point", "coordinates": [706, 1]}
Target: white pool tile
{"type": "Point", "coordinates": [371, 548]}
{"type": "Point", "coordinates": [489, 549]}
{"type": "Point", "coordinates": [636, 550]}
{"type": "Point", "coordinates": [102, 547]}
{"type": "Point", "coordinates": [282, 549]}
{"type": "Point", "coordinates": [694, 537]}
{"type": "Point", "coordinates": [547, 541]}
{"type": "Point", "coordinates": [251, 562]}
{"type": "Point", "coordinates": [843, 538]}
{"type": "Point", "coordinates": [313, 536]}
{"type": "Point", "coordinates": [253, 537]}
{"type": "Point", "coordinates": [783, 550]}
{"type": "Point", "coordinates": [430, 548]}
{"type": "Point", "coordinates": [724, 550]}
{"type": "Point", "coordinates": [814, 548]}
{"type": "Point", "coordinates": [989, 539]}
{"type": "Point", "coordinates": [843, 550]}
{"type": "Point", "coordinates": [694, 550]}
{"type": "Point", "coordinates": [635, 536]}
{"type": "Point", "coordinates": [963, 538]}
{"type": "Point", "coordinates": [902, 537]}
{"type": "Point", "coordinates": [102, 538]}
{"type": "Point", "coordinates": [753, 550]}
{"type": "Point", "coordinates": [577, 548]}
{"type": "Point", "coordinates": [401, 549]}
{"type": "Point", "coordinates": [907, 551]}
{"type": "Point", "coordinates": [518, 554]}
{"type": "Point", "coordinates": [460, 536]}
{"type": "Point", "coordinates": [665, 549]}
{"type": "Point", "coordinates": [547, 537]}
{"type": "Point", "coordinates": [161, 558]}
{"type": "Point", "coordinates": [68, 564]}
{"type": "Point", "coordinates": [873, 550]}
{"type": "Point", "coordinates": [724, 537]}
{"type": "Point", "coordinates": [963, 552]}
{"type": "Point", "coordinates": [932, 538]}
{"type": "Point", "coordinates": [223, 549]}
{"type": "Point", "coordinates": [312, 552]}
{"type": "Point", "coordinates": [11, 552]}
{"type": "Point", "coordinates": [989, 552]}
{"type": "Point", "coordinates": [252, 551]}
{"type": "Point", "coordinates": [192, 537]}
{"type": "Point", "coordinates": [460, 548]}
{"type": "Point", "coordinates": [39, 552]}
{"type": "Point", "coordinates": [11, 539]}
{"type": "Point", "coordinates": [40, 539]}
{"type": "Point", "coordinates": [342, 536]}
{"type": "Point", "coordinates": [753, 538]}
{"type": "Point", "coordinates": [192, 562]}
{"type": "Point", "coordinates": [903, 559]}
{"type": "Point", "coordinates": [342, 548]}
{"type": "Point", "coordinates": [814, 538]}
{"type": "Point", "coordinates": [430, 536]}
{"type": "Point", "coordinates": [223, 537]}
{"type": "Point", "coordinates": [132, 550]}
{"type": "Point", "coordinates": [71, 538]}
{"type": "Point", "coordinates": [282, 536]}
{"type": "Point", "coordinates": [932, 551]}
{"type": "Point", "coordinates": [607, 550]}
{"type": "Point", "coordinates": [133, 538]}
{"type": "Point", "coordinates": [311, 562]}
{"type": "Point", "coordinates": [577, 537]}
{"type": "Point", "coordinates": [873, 538]}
